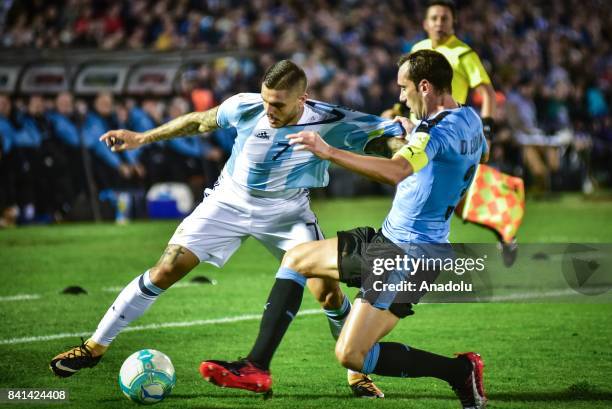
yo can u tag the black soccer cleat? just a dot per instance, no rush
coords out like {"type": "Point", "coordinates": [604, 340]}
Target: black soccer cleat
{"type": "Point", "coordinates": [509, 251]}
{"type": "Point", "coordinates": [72, 361]}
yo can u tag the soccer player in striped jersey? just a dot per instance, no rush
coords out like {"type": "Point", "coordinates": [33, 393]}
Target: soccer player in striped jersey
{"type": "Point", "coordinates": [261, 193]}
{"type": "Point", "coordinates": [432, 171]}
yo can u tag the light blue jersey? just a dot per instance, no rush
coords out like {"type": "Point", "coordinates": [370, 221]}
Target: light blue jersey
{"type": "Point", "coordinates": [262, 159]}
{"type": "Point", "coordinates": [444, 151]}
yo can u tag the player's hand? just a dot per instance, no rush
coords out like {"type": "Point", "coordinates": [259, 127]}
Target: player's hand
{"type": "Point", "coordinates": [310, 141]}
{"type": "Point", "coordinates": [388, 113]}
{"type": "Point", "coordinates": [488, 128]}
{"type": "Point", "coordinates": [125, 171]}
{"type": "Point", "coordinates": [392, 112]}
{"type": "Point", "coordinates": [406, 124]}
{"type": "Point", "coordinates": [122, 139]}
{"type": "Point", "coordinates": [139, 170]}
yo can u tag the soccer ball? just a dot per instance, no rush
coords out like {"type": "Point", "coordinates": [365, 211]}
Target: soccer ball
{"type": "Point", "coordinates": [147, 376]}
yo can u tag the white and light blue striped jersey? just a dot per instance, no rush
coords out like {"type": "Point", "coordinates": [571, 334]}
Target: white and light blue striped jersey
{"type": "Point", "coordinates": [262, 159]}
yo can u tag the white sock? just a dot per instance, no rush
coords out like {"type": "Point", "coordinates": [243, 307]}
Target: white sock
{"type": "Point", "coordinates": [130, 304]}
{"type": "Point", "coordinates": [336, 318]}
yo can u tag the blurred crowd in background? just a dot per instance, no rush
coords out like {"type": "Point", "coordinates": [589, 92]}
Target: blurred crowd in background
{"type": "Point", "coordinates": [52, 156]}
{"type": "Point", "coordinates": [550, 62]}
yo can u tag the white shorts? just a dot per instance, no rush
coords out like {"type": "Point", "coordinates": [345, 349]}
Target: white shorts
{"type": "Point", "coordinates": [229, 214]}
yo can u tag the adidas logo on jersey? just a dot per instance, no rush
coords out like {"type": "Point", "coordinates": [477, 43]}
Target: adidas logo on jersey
{"type": "Point", "coordinates": [262, 135]}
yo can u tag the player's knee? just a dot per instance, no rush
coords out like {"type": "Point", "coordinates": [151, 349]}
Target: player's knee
{"type": "Point", "coordinates": [349, 357]}
{"type": "Point", "coordinates": [296, 259]}
{"type": "Point", "coordinates": [164, 275]}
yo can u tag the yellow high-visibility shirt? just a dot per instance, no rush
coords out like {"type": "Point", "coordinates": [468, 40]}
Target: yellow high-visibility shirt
{"type": "Point", "coordinates": [468, 71]}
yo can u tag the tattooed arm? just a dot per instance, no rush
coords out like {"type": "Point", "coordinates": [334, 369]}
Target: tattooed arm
{"type": "Point", "coordinates": [189, 124]}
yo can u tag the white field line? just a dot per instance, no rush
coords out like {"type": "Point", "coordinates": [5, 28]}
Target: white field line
{"type": "Point", "coordinates": [179, 324]}
{"type": "Point", "coordinates": [499, 298]}
{"type": "Point", "coordinates": [527, 296]}
{"type": "Point", "coordinates": [247, 317]}
{"type": "Point", "coordinates": [512, 297]}
{"type": "Point", "coordinates": [20, 297]}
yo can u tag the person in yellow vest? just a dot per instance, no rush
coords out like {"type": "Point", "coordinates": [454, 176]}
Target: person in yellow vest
{"type": "Point", "coordinates": [468, 73]}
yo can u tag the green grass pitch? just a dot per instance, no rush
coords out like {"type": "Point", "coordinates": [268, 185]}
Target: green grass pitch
{"type": "Point", "coordinates": [536, 355]}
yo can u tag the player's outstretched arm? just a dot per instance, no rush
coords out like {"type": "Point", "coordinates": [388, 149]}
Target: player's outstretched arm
{"type": "Point", "coordinates": [383, 170]}
{"type": "Point", "coordinates": [185, 125]}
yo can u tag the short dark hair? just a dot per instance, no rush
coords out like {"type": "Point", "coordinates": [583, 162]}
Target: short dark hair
{"type": "Point", "coordinates": [285, 74]}
{"type": "Point", "coordinates": [428, 65]}
{"type": "Point", "coordinates": [444, 3]}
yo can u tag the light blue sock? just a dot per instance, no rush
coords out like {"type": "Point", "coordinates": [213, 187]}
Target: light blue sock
{"type": "Point", "coordinates": [371, 359]}
{"type": "Point", "coordinates": [336, 318]}
{"type": "Point", "coordinates": [285, 273]}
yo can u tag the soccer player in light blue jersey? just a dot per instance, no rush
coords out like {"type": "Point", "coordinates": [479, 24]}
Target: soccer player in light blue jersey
{"type": "Point", "coordinates": [432, 172]}
{"type": "Point", "coordinates": [261, 193]}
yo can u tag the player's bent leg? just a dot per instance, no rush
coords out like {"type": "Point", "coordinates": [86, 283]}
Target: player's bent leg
{"type": "Point", "coordinates": [365, 326]}
{"type": "Point", "coordinates": [314, 259]}
{"type": "Point", "coordinates": [337, 307]}
{"type": "Point", "coordinates": [130, 304]}
{"type": "Point", "coordinates": [174, 264]}
{"type": "Point", "coordinates": [358, 346]}
{"type": "Point", "coordinates": [282, 305]}
{"type": "Point", "coordinates": [327, 292]}
{"type": "Point", "coordinates": [143, 291]}
{"type": "Point", "coordinates": [335, 304]}
{"type": "Point", "coordinates": [318, 260]}
{"type": "Point", "coordinates": [350, 353]}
